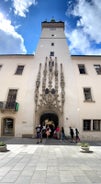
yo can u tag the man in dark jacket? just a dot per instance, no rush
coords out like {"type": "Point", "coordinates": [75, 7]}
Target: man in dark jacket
{"type": "Point", "coordinates": [71, 134]}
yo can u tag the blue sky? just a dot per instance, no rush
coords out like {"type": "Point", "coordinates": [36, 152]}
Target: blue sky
{"type": "Point", "coordinates": [20, 24]}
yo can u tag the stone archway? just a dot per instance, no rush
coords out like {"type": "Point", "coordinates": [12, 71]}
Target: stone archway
{"type": "Point", "coordinates": [52, 118]}
{"type": "Point", "coordinates": [49, 119]}
{"type": "Point", "coordinates": [51, 114]}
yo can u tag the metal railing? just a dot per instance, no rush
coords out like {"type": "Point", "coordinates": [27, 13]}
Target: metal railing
{"type": "Point", "coordinates": [9, 106]}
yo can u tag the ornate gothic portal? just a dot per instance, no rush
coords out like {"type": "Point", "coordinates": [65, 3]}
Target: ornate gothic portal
{"type": "Point", "coordinates": [49, 91]}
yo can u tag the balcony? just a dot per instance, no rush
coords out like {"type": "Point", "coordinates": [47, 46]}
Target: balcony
{"type": "Point", "coordinates": [9, 106]}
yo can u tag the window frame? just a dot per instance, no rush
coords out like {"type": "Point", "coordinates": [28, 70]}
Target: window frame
{"type": "Point", "coordinates": [97, 68]}
{"type": "Point", "coordinates": [1, 66]}
{"type": "Point", "coordinates": [85, 126]}
{"type": "Point", "coordinates": [98, 126]}
{"type": "Point", "coordinates": [11, 98]}
{"type": "Point", "coordinates": [52, 44]}
{"type": "Point", "coordinates": [82, 70]}
{"type": "Point", "coordinates": [19, 70]}
{"type": "Point", "coordinates": [51, 53]}
{"type": "Point", "coordinates": [87, 95]}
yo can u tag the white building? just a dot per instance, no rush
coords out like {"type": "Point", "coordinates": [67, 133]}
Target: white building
{"type": "Point", "coordinates": [50, 87]}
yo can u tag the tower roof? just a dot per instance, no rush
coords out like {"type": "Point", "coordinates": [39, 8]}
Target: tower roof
{"type": "Point", "coordinates": [52, 24]}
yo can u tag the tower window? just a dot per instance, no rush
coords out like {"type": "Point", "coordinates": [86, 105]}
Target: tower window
{"type": "Point", "coordinates": [82, 69]}
{"type": "Point", "coordinates": [0, 67]}
{"type": "Point", "coordinates": [51, 53]}
{"type": "Point", "coordinates": [87, 94]}
{"type": "Point", "coordinates": [52, 44]}
{"type": "Point", "coordinates": [19, 70]}
{"type": "Point", "coordinates": [98, 69]}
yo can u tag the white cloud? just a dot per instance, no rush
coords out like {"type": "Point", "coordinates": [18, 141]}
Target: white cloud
{"type": "Point", "coordinates": [88, 26]}
{"type": "Point", "coordinates": [80, 44]}
{"type": "Point", "coordinates": [78, 41]}
{"type": "Point", "coordinates": [21, 6]}
{"type": "Point", "coordinates": [90, 14]}
{"type": "Point", "coordinates": [10, 41]}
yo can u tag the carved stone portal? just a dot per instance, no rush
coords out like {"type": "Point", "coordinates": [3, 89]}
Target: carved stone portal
{"type": "Point", "coordinates": [49, 91]}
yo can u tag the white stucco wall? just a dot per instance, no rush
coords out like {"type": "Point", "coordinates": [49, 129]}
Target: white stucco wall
{"type": "Point", "coordinates": [25, 84]}
{"type": "Point", "coordinates": [88, 110]}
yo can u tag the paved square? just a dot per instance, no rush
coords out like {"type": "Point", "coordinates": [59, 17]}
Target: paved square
{"type": "Point", "coordinates": [50, 164]}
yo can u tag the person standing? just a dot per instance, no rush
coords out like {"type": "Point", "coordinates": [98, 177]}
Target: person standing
{"type": "Point", "coordinates": [48, 131]}
{"type": "Point", "coordinates": [43, 131]}
{"type": "Point", "coordinates": [58, 132]}
{"type": "Point", "coordinates": [77, 135]}
{"type": "Point", "coordinates": [62, 133]}
{"type": "Point", "coordinates": [71, 134]}
{"type": "Point", "coordinates": [39, 134]}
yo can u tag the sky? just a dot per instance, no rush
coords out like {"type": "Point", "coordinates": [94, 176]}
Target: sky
{"type": "Point", "coordinates": [20, 24]}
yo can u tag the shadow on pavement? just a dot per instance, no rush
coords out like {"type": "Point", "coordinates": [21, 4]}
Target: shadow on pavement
{"type": "Point", "coordinates": [50, 141]}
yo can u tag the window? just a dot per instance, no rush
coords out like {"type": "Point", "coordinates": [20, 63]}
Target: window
{"type": "Point", "coordinates": [52, 44]}
{"type": "Point", "coordinates": [0, 67]}
{"type": "Point", "coordinates": [11, 99]}
{"type": "Point", "coordinates": [19, 70]}
{"type": "Point", "coordinates": [8, 126]}
{"type": "Point", "coordinates": [96, 125]}
{"type": "Point", "coordinates": [86, 125]}
{"type": "Point", "coordinates": [98, 69]}
{"type": "Point", "coordinates": [52, 35]}
{"type": "Point", "coordinates": [92, 125]}
{"type": "Point", "coordinates": [51, 53]}
{"type": "Point", "coordinates": [82, 69]}
{"type": "Point", "coordinates": [87, 94]}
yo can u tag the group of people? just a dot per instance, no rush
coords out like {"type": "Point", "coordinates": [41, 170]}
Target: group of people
{"type": "Point", "coordinates": [42, 131]}
{"type": "Point", "coordinates": [46, 131]}
{"type": "Point", "coordinates": [74, 134]}
{"type": "Point", "coordinates": [58, 133]}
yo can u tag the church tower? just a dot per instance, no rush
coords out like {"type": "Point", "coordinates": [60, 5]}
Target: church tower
{"type": "Point", "coordinates": [53, 90]}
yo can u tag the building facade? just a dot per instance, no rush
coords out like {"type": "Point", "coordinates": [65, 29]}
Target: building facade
{"type": "Point", "coordinates": [50, 88]}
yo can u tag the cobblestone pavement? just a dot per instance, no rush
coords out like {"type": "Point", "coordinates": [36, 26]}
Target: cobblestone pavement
{"type": "Point", "coordinates": [50, 162]}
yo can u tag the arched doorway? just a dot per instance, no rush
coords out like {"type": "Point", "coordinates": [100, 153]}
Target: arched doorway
{"type": "Point", "coordinates": [8, 127]}
{"type": "Point", "coordinates": [51, 120]}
